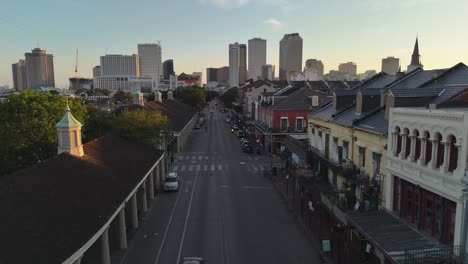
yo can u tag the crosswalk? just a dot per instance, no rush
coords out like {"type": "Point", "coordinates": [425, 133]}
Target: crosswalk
{"type": "Point", "coordinates": [215, 167]}
{"type": "Point", "coordinates": [201, 157]}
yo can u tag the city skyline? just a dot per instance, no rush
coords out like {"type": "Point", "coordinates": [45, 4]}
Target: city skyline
{"type": "Point", "coordinates": [368, 39]}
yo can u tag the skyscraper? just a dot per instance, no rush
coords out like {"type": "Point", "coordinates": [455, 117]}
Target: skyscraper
{"type": "Point", "coordinates": [268, 72]}
{"type": "Point", "coordinates": [20, 80]}
{"type": "Point", "coordinates": [257, 57]}
{"type": "Point", "coordinates": [290, 57]}
{"type": "Point", "coordinates": [39, 69]}
{"type": "Point", "coordinates": [168, 69]}
{"type": "Point", "coordinates": [120, 65]}
{"type": "Point", "coordinates": [234, 64]}
{"type": "Point", "coordinates": [315, 67]}
{"type": "Point", "coordinates": [212, 74]}
{"type": "Point", "coordinates": [390, 65]}
{"type": "Point", "coordinates": [349, 68]}
{"type": "Point", "coordinates": [97, 71]}
{"type": "Point", "coordinates": [150, 60]}
{"type": "Point", "coordinates": [415, 58]}
{"type": "Point", "coordinates": [242, 63]}
{"type": "Point", "coordinates": [223, 74]}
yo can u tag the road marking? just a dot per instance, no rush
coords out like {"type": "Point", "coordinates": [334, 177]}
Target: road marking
{"type": "Point", "coordinates": [220, 167]}
{"type": "Point", "coordinates": [205, 167]}
{"type": "Point", "coordinates": [206, 157]}
{"type": "Point", "coordinates": [190, 168]}
{"type": "Point", "coordinates": [168, 225]}
{"type": "Point", "coordinates": [175, 168]}
{"type": "Point", "coordinates": [182, 168]}
{"type": "Point", "coordinates": [225, 186]}
{"type": "Point", "coordinates": [242, 163]}
{"type": "Point", "coordinates": [187, 218]}
{"type": "Point", "coordinates": [261, 167]}
{"type": "Point", "coordinates": [254, 167]}
{"type": "Point", "coordinates": [212, 167]}
{"type": "Point", "coordinates": [256, 187]}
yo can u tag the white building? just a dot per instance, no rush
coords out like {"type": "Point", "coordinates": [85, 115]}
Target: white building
{"type": "Point", "coordinates": [427, 170]}
{"type": "Point", "coordinates": [120, 65]}
{"type": "Point", "coordinates": [257, 57]}
{"type": "Point", "coordinates": [234, 53]}
{"type": "Point", "coordinates": [125, 83]}
{"type": "Point", "coordinates": [314, 69]}
{"type": "Point", "coordinates": [39, 69]}
{"type": "Point", "coordinates": [290, 57]}
{"type": "Point", "coordinates": [390, 65]}
{"type": "Point", "coordinates": [150, 60]}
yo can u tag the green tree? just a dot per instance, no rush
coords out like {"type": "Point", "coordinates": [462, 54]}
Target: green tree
{"type": "Point", "coordinates": [229, 97]}
{"type": "Point", "coordinates": [123, 96]}
{"type": "Point", "coordinates": [98, 123]}
{"type": "Point", "coordinates": [192, 95]}
{"type": "Point", "coordinates": [210, 95]}
{"type": "Point", "coordinates": [27, 127]}
{"type": "Point", "coordinates": [145, 127]}
{"type": "Point", "coordinates": [98, 91]}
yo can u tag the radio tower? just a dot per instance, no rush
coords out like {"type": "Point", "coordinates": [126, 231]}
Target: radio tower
{"type": "Point", "coordinates": [77, 76]}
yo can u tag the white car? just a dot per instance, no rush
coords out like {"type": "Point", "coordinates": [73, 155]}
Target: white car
{"type": "Point", "coordinates": [228, 120]}
{"type": "Point", "coordinates": [172, 182]}
{"type": "Point", "coordinates": [193, 260]}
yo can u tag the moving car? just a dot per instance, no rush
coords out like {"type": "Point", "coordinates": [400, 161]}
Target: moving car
{"type": "Point", "coordinates": [192, 260]}
{"type": "Point", "coordinates": [172, 182]}
{"type": "Point", "coordinates": [228, 120]}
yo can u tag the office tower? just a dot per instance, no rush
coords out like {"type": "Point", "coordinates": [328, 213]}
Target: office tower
{"type": "Point", "coordinates": [257, 57]}
{"type": "Point", "coordinates": [168, 69]}
{"type": "Point", "coordinates": [223, 74]}
{"type": "Point", "coordinates": [150, 60]}
{"type": "Point", "coordinates": [234, 65]}
{"type": "Point", "coordinates": [268, 72]}
{"type": "Point", "coordinates": [39, 69]}
{"type": "Point", "coordinates": [415, 58]}
{"type": "Point", "coordinates": [242, 63]}
{"type": "Point", "coordinates": [117, 65]}
{"type": "Point", "coordinates": [212, 74]}
{"type": "Point", "coordinates": [97, 71]}
{"type": "Point", "coordinates": [390, 65]}
{"type": "Point", "coordinates": [349, 68]}
{"type": "Point", "coordinates": [20, 80]}
{"type": "Point", "coordinates": [290, 57]}
{"type": "Point", "coordinates": [315, 67]}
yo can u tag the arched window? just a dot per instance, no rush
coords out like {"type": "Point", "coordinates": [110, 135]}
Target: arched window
{"type": "Point", "coordinates": [417, 149]}
{"type": "Point", "coordinates": [398, 143]}
{"type": "Point", "coordinates": [440, 151]}
{"type": "Point", "coordinates": [428, 154]}
{"type": "Point", "coordinates": [407, 143]}
{"type": "Point", "coordinates": [453, 154]}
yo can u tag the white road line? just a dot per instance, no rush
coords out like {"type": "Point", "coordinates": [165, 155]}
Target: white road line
{"type": "Point", "coordinates": [187, 218]}
{"type": "Point", "coordinates": [175, 168]}
{"type": "Point", "coordinates": [261, 167]}
{"type": "Point", "coordinates": [206, 157]}
{"type": "Point", "coordinates": [254, 167]}
{"type": "Point", "coordinates": [205, 167]}
{"type": "Point", "coordinates": [168, 225]}
{"type": "Point", "coordinates": [190, 168]}
{"type": "Point", "coordinates": [225, 186]}
{"type": "Point", "coordinates": [256, 187]}
{"type": "Point", "coordinates": [212, 167]}
{"type": "Point", "coordinates": [182, 168]}
{"type": "Point", "coordinates": [220, 167]}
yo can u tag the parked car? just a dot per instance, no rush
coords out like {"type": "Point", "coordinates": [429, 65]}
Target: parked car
{"type": "Point", "coordinates": [197, 126]}
{"type": "Point", "coordinates": [240, 133]}
{"type": "Point", "coordinates": [172, 182]}
{"type": "Point", "coordinates": [192, 260]}
{"type": "Point", "coordinates": [228, 120]}
{"type": "Point", "coordinates": [248, 148]}
{"type": "Point", "coordinates": [235, 127]}
{"type": "Point", "coordinates": [243, 140]}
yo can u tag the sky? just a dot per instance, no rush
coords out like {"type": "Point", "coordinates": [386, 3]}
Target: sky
{"type": "Point", "coordinates": [196, 33]}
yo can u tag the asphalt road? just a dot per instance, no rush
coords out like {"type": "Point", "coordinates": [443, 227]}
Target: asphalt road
{"type": "Point", "coordinates": [225, 210]}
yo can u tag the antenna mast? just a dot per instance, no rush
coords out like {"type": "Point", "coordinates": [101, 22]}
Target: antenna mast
{"type": "Point", "coordinates": [76, 66]}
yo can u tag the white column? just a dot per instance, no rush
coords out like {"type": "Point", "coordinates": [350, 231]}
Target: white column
{"type": "Point", "coordinates": [122, 230]}
{"type": "Point", "coordinates": [157, 176]}
{"type": "Point", "coordinates": [413, 148]}
{"type": "Point", "coordinates": [78, 261]}
{"type": "Point", "coordinates": [394, 143]}
{"type": "Point", "coordinates": [444, 166]}
{"type": "Point", "coordinates": [422, 156]}
{"type": "Point", "coordinates": [150, 186]}
{"type": "Point", "coordinates": [144, 203]}
{"type": "Point", "coordinates": [105, 252]}
{"type": "Point", "coordinates": [432, 163]}
{"type": "Point", "coordinates": [404, 137]}
{"type": "Point", "coordinates": [134, 211]}
{"type": "Point", "coordinates": [459, 157]}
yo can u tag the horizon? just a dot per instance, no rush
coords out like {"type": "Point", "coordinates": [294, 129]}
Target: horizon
{"type": "Point", "coordinates": [363, 32]}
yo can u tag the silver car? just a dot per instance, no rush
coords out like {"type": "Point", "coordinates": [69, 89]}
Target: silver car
{"type": "Point", "coordinates": [193, 260]}
{"type": "Point", "coordinates": [172, 182]}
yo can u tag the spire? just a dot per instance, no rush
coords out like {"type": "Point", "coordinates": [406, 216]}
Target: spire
{"type": "Point", "coordinates": [415, 58]}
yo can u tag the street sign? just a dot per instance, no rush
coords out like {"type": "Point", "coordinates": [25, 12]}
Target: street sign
{"type": "Point", "coordinates": [326, 246]}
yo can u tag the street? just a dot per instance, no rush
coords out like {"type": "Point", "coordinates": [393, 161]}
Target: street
{"type": "Point", "coordinates": [225, 211]}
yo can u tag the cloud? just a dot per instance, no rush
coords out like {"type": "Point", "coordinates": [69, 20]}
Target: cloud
{"type": "Point", "coordinates": [274, 23]}
{"type": "Point", "coordinates": [226, 3]}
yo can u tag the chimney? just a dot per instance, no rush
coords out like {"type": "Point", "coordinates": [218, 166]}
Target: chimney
{"type": "Point", "coordinates": [158, 96]}
{"type": "Point", "coordinates": [390, 103]}
{"type": "Point", "coordinates": [69, 134]}
{"type": "Point", "coordinates": [170, 95]}
{"type": "Point", "coordinates": [382, 97]}
{"type": "Point", "coordinates": [359, 99]}
{"type": "Point", "coordinates": [315, 101]}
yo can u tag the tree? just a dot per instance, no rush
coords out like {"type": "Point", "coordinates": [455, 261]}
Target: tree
{"type": "Point", "coordinates": [210, 95]}
{"type": "Point", "coordinates": [98, 123]}
{"type": "Point", "coordinates": [123, 96]}
{"type": "Point", "coordinates": [142, 126]}
{"type": "Point", "coordinates": [98, 91]}
{"type": "Point", "coordinates": [192, 95]}
{"type": "Point", "coordinates": [229, 97]}
{"type": "Point", "coordinates": [27, 127]}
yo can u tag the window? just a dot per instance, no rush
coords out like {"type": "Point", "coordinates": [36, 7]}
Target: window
{"type": "Point", "coordinates": [362, 157]}
{"type": "Point", "coordinates": [312, 139]}
{"type": "Point", "coordinates": [345, 150]}
{"type": "Point", "coordinates": [284, 123]}
{"type": "Point", "coordinates": [319, 143]}
{"type": "Point", "coordinates": [327, 145]}
{"type": "Point", "coordinates": [299, 123]}
{"type": "Point", "coordinates": [335, 149]}
{"type": "Point", "coordinates": [376, 163]}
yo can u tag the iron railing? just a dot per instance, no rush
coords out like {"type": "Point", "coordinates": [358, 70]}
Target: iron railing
{"type": "Point", "coordinates": [433, 255]}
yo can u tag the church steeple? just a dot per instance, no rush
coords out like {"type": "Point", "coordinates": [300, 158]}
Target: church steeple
{"type": "Point", "coordinates": [415, 58]}
{"type": "Point", "coordinates": [69, 134]}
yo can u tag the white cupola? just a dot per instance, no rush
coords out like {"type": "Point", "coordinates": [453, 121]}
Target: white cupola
{"type": "Point", "coordinates": [138, 98]}
{"type": "Point", "coordinates": [69, 134]}
{"type": "Point", "coordinates": [170, 95]}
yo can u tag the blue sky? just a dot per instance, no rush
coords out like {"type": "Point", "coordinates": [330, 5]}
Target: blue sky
{"type": "Point", "coordinates": [196, 33]}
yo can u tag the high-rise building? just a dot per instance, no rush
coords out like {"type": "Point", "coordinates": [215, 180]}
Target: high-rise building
{"type": "Point", "coordinates": [415, 58]}
{"type": "Point", "coordinates": [150, 60]}
{"type": "Point", "coordinates": [212, 74]}
{"type": "Point", "coordinates": [268, 72]}
{"type": "Point", "coordinates": [314, 67]}
{"type": "Point", "coordinates": [120, 65]}
{"type": "Point", "coordinates": [390, 65]}
{"type": "Point", "coordinates": [257, 57]}
{"type": "Point", "coordinates": [242, 63]}
{"type": "Point", "coordinates": [168, 69]}
{"type": "Point", "coordinates": [20, 80]}
{"type": "Point", "coordinates": [290, 57]}
{"type": "Point", "coordinates": [39, 69]}
{"type": "Point", "coordinates": [97, 71]}
{"type": "Point", "coordinates": [349, 68]}
{"type": "Point", "coordinates": [223, 74]}
{"type": "Point", "coordinates": [234, 65]}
